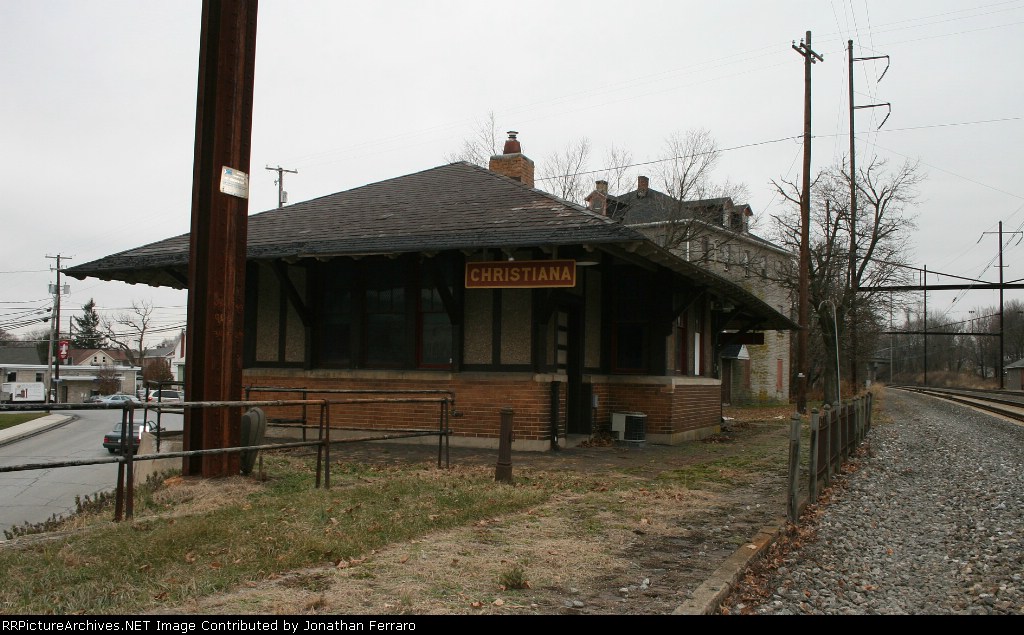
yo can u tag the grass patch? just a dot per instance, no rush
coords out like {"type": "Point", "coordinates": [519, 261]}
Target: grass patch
{"type": "Point", "coordinates": [513, 576]}
{"type": "Point", "coordinates": [11, 419]}
{"type": "Point", "coordinates": [278, 525]}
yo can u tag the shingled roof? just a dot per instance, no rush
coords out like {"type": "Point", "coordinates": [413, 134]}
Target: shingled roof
{"type": "Point", "coordinates": [454, 206]}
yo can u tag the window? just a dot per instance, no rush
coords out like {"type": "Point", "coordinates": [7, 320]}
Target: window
{"type": "Point", "coordinates": [434, 345]}
{"type": "Point", "coordinates": [379, 314]}
{"type": "Point", "coordinates": [746, 263]}
{"type": "Point", "coordinates": [630, 322]}
{"type": "Point", "coordinates": [682, 344]}
{"type": "Point", "coordinates": [39, 377]}
{"type": "Point", "coordinates": [386, 336]}
{"type": "Point", "coordinates": [698, 358]}
{"type": "Point", "coordinates": [334, 337]}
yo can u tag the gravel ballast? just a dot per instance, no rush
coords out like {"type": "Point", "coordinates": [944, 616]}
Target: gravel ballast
{"type": "Point", "coordinates": [930, 523]}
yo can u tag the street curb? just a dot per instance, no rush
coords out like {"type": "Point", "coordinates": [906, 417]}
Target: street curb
{"type": "Point", "coordinates": [32, 428]}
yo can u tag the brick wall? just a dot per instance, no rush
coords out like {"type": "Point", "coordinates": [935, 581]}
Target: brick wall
{"type": "Point", "coordinates": [671, 408]}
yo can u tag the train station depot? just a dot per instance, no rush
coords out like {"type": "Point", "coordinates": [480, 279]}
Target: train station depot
{"type": "Point", "coordinates": [469, 279]}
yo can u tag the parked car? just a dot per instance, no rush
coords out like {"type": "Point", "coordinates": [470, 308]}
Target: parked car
{"type": "Point", "coordinates": [112, 439]}
{"type": "Point", "coordinates": [165, 395]}
{"type": "Point", "coordinates": [120, 400]}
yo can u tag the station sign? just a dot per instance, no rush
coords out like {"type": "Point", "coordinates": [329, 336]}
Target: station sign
{"type": "Point", "coordinates": [520, 274]}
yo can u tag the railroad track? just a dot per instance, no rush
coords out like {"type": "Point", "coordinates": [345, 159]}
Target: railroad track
{"type": "Point", "coordinates": [1004, 403]}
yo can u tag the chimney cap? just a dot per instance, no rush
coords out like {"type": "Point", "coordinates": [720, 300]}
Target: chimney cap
{"type": "Point", "coordinates": [512, 143]}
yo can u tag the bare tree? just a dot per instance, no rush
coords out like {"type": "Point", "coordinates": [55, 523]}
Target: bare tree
{"type": "Point", "coordinates": [156, 370]}
{"type": "Point", "coordinates": [127, 331]}
{"type": "Point", "coordinates": [692, 210]}
{"type": "Point", "coordinates": [686, 176]}
{"type": "Point", "coordinates": [884, 227]}
{"type": "Point", "coordinates": [107, 382]}
{"type": "Point", "coordinates": [616, 173]}
{"type": "Point", "coordinates": [562, 172]}
{"type": "Point", "coordinates": [480, 147]}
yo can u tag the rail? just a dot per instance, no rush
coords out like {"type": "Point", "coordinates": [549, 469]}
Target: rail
{"type": "Point", "coordinates": [1001, 402]}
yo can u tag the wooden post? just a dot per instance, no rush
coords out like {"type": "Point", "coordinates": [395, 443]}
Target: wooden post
{"type": "Point", "coordinates": [794, 467]}
{"type": "Point", "coordinates": [812, 485]}
{"type": "Point", "coordinates": [827, 420]}
{"type": "Point", "coordinates": [503, 471]}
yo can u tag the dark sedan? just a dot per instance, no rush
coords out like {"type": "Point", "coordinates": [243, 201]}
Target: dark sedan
{"type": "Point", "coordinates": [112, 439]}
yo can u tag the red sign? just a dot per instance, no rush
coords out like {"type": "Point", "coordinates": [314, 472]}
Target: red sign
{"type": "Point", "coordinates": [63, 347]}
{"type": "Point", "coordinates": [520, 274]}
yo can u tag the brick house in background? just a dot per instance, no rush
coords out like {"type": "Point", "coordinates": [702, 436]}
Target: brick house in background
{"type": "Point", "coordinates": [468, 279]}
{"type": "Point", "coordinates": [715, 234]}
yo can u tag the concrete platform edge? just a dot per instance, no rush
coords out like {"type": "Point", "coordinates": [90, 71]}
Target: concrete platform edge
{"type": "Point", "coordinates": [710, 594]}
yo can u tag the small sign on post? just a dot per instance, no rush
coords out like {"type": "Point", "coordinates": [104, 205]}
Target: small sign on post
{"type": "Point", "coordinates": [234, 182]}
{"type": "Point", "coordinates": [63, 350]}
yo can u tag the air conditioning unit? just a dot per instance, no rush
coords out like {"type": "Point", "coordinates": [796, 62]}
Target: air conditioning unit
{"type": "Point", "coordinates": [630, 427]}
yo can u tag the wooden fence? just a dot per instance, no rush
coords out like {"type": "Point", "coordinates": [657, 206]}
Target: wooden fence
{"type": "Point", "coordinates": [836, 432]}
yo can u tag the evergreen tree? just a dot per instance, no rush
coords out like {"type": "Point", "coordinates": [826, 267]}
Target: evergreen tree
{"type": "Point", "coordinates": [87, 328]}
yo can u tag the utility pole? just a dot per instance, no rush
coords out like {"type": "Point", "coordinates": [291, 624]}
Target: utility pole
{"type": "Point", "coordinates": [282, 196]}
{"type": "Point", "coordinates": [56, 304]}
{"type": "Point", "coordinates": [854, 277]}
{"type": "Point", "coordinates": [217, 247]}
{"type": "Point", "coordinates": [803, 370]}
{"type": "Point", "coordinates": [999, 367]}
{"type": "Point", "coordinates": [926, 325]}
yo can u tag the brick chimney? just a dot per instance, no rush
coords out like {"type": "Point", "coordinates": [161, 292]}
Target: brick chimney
{"type": "Point", "coordinates": [597, 200]}
{"type": "Point", "coordinates": [512, 163]}
{"type": "Point", "coordinates": [641, 186]}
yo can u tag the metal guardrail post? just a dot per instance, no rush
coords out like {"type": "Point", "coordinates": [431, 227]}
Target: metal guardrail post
{"type": "Point", "coordinates": [325, 417]}
{"type": "Point", "coordinates": [792, 507]}
{"type": "Point", "coordinates": [128, 451]}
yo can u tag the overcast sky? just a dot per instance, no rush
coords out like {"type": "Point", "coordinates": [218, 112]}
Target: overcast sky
{"type": "Point", "coordinates": [97, 111]}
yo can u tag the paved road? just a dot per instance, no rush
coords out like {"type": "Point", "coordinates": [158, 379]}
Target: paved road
{"type": "Point", "coordinates": [37, 495]}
